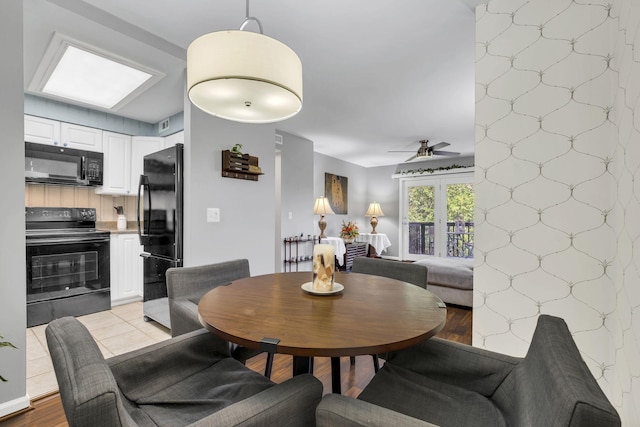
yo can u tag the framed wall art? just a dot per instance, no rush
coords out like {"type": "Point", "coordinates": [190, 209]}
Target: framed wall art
{"type": "Point", "coordinates": [336, 189]}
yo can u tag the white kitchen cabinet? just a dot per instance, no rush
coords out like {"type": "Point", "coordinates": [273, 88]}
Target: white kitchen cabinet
{"type": "Point", "coordinates": [126, 268]}
{"type": "Point", "coordinates": [117, 164]}
{"type": "Point", "coordinates": [81, 137]}
{"type": "Point", "coordinates": [140, 147]}
{"type": "Point", "coordinates": [174, 139]}
{"type": "Point", "coordinates": [42, 131]}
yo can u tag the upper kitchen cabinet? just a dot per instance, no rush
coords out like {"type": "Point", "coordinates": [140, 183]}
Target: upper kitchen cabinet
{"type": "Point", "coordinates": [53, 132]}
{"type": "Point", "coordinates": [81, 137]}
{"type": "Point", "coordinates": [117, 164]}
{"type": "Point", "coordinates": [173, 139]}
{"type": "Point", "coordinates": [42, 131]}
{"type": "Point", "coordinates": [140, 147]}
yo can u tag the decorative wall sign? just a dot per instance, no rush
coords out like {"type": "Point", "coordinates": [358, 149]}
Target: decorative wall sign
{"type": "Point", "coordinates": [240, 166]}
{"type": "Point", "coordinates": [336, 189]}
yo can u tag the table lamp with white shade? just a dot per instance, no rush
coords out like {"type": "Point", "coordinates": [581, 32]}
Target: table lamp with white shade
{"type": "Point", "coordinates": [322, 208]}
{"type": "Point", "coordinates": [374, 211]}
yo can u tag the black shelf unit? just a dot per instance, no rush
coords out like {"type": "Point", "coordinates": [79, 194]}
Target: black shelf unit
{"type": "Point", "coordinates": [292, 256]}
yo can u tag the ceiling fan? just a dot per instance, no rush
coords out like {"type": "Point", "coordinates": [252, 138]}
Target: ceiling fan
{"type": "Point", "coordinates": [425, 151]}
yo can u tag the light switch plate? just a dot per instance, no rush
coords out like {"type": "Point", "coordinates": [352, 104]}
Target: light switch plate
{"type": "Point", "coordinates": [213, 214]}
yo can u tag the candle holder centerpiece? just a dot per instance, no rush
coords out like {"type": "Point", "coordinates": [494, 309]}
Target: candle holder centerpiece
{"type": "Point", "coordinates": [324, 267]}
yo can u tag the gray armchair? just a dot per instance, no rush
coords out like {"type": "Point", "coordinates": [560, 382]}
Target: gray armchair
{"type": "Point", "coordinates": [187, 380]}
{"type": "Point", "coordinates": [187, 285]}
{"type": "Point", "coordinates": [451, 384]}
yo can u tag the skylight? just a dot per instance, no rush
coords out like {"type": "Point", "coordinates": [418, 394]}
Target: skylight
{"type": "Point", "coordinates": [75, 72]}
{"type": "Point", "coordinates": [92, 79]}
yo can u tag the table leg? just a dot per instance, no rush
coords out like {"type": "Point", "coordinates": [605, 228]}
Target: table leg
{"type": "Point", "coordinates": [301, 365]}
{"type": "Point", "coordinates": [336, 386]}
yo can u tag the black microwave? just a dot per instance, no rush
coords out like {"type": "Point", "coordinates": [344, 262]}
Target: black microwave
{"type": "Point", "coordinates": [49, 164]}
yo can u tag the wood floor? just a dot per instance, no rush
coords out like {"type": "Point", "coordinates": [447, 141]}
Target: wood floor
{"type": "Point", "coordinates": [48, 412]}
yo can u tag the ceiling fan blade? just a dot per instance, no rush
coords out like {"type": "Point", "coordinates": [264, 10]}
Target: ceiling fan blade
{"type": "Point", "coordinates": [411, 158]}
{"type": "Point", "coordinates": [439, 145]}
{"type": "Point", "coordinates": [445, 153]}
{"type": "Point", "coordinates": [401, 151]}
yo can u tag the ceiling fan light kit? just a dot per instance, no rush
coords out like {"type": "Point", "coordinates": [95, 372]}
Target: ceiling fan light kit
{"type": "Point", "coordinates": [244, 76]}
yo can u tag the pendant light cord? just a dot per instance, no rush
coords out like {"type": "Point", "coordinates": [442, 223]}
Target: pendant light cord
{"type": "Point", "coordinates": [249, 19]}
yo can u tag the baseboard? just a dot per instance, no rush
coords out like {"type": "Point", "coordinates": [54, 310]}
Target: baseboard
{"type": "Point", "coordinates": [14, 405]}
{"type": "Point", "coordinates": [394, 258]}
{"type": "Point", "coordinates": [124, 301]}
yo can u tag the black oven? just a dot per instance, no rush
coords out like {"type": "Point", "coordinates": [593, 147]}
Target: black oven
{"type": "Point", "coordinates": [68, 264]}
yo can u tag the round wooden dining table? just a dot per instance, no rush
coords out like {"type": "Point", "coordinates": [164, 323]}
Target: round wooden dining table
{"type": "Point", "coordinates": [371, 315]}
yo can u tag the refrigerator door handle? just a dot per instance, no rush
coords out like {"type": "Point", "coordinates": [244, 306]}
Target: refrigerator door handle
{"type": "Point", "coordinates": [143, 183]}
{"type": "Point", "coordinates": [173, 260]}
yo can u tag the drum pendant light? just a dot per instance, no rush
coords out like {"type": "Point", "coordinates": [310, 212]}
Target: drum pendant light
{"type": "Point", "coordinates": [244, 76]}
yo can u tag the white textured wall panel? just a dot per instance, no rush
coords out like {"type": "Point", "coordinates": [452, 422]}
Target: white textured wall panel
{"type": "Point", "coordinates": [558, 181]}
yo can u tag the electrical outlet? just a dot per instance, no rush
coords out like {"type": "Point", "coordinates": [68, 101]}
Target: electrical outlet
{"type": "Point", "coordinates": [213, 214]}
{"type": "Point", "coordinates": [290, 215]}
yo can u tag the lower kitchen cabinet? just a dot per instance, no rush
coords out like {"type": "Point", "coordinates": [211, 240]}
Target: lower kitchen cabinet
{"type": "Point", "coordinates": [126, 269]}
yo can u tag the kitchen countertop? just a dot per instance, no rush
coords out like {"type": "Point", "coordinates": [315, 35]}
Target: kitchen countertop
{"type": "Point", "coordinates": [132, 227]}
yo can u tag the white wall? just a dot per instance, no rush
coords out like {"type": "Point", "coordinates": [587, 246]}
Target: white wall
{"type": "Point", "coordinates": [557, 203]}
{"type": "Point", "coordinates": [357, 189]}
{"type": "Point", "coordinates": [247, 208]}
{"type": "Point", "coordinates": [296, 209]}
{"type": "Point", "coordinates": [13, 318]}
{"type": "Point", "coordinates": [383, 189]}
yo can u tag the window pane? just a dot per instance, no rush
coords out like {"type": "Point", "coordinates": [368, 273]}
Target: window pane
{"type": "Point", "coordinates": [460, 205]}
{"type": "Point", "coordinates": [421, 217]}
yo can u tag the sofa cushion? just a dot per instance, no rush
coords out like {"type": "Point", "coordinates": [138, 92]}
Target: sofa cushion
{"type": "Point", "coordinates": [451, 272]}
{"type": "Point", "coordinates": [421, 397]}
{"type": "Point", "coordinates": [175, 406]}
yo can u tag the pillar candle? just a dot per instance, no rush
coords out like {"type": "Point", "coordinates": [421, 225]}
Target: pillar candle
{"type": "Point", "coordinates": [324, 267]}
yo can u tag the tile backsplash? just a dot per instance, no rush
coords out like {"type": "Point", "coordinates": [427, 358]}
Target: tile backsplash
{"type": "Point", "coordinates": [79, 197]}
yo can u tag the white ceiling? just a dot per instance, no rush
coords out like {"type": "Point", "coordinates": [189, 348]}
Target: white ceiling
{"type": "Point", "coordinates": [378, 74]}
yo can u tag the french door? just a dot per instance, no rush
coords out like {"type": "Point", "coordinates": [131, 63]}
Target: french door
{"type": "Point", "coordinates": [437, 216]}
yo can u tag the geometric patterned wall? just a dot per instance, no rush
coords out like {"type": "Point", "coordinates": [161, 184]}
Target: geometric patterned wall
{"type": "Point", "coordinates": [557, 204]}
{"type": "Point", "coordinates": [626, 209]}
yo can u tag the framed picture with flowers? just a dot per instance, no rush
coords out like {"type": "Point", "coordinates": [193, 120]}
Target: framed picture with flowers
{"type": "Point", "coordinates": [336, 189]}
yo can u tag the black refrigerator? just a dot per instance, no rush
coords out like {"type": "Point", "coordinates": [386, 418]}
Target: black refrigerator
{"type": "Point", "coordinates": [160, 227]}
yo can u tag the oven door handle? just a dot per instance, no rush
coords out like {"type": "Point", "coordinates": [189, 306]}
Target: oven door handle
{"type": "Point", "coordinates": [143, 231]}
{"type": "Point", "coordinates": [66, 240]}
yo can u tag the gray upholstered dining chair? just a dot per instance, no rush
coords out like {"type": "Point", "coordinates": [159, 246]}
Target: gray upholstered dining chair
{"type": "Point", "coordinates": [403, 271]}
{"type": "Point", "coordinates": [187, 285]}
{"type": "Point", "coordinates": [444, 383]}
{"type": "Point", "coordinates": [189, 380]}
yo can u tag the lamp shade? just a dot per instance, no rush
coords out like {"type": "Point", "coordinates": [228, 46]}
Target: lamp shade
{"type": "Point", "coordinates": [374, 210]}
{"type": "Point", "coordinates": [322, 207]}
{"type": "Point", "coordinates": [244, 76]}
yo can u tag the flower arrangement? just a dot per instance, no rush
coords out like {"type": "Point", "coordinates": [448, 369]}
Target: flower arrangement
{"type": "Point", "coordinates": [349, 230]}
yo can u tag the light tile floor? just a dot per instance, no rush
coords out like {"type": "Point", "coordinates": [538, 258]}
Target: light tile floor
{"type": "Point", "coordinates": [116, 331]}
